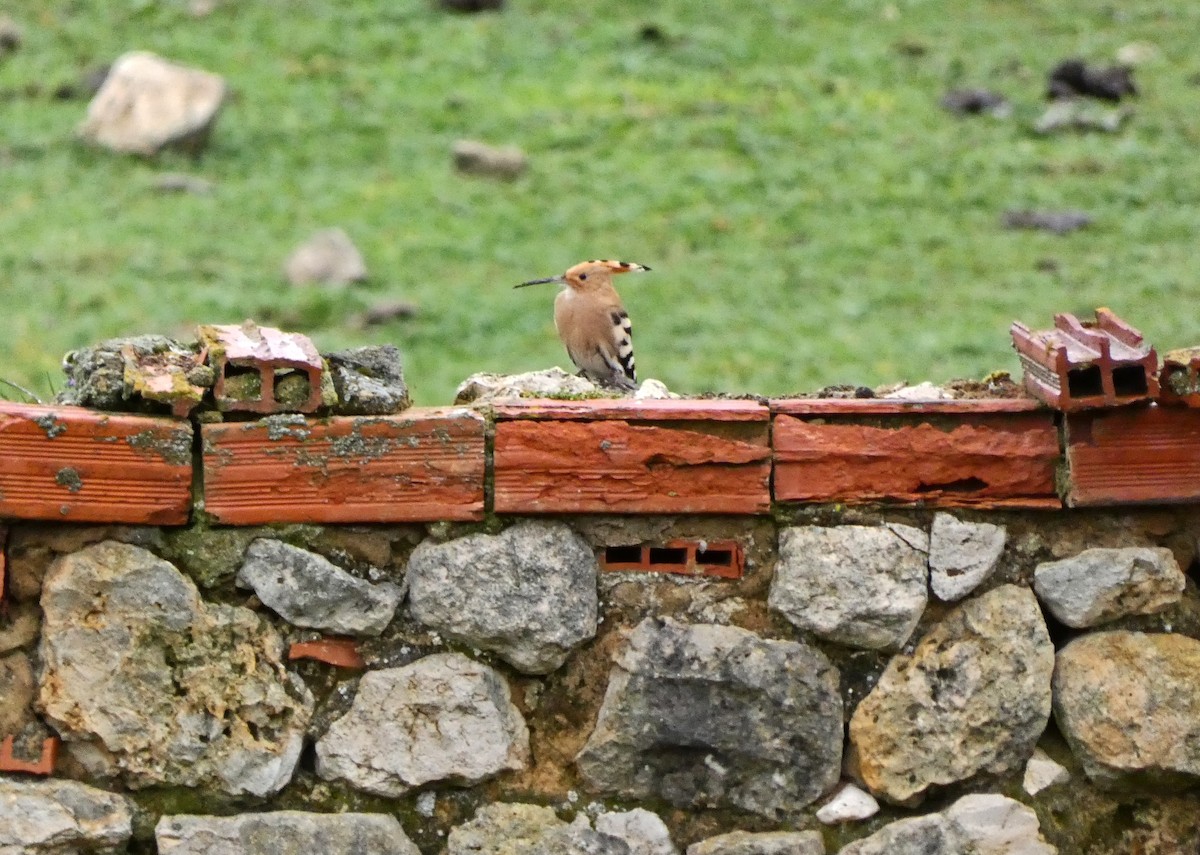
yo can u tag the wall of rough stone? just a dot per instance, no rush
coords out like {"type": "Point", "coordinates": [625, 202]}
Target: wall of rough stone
{"type": "Point", "coordinates": [878, 680]}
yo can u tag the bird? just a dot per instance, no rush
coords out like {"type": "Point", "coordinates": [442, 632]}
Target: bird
{"type": "Point", "coordinates": [592, 323]}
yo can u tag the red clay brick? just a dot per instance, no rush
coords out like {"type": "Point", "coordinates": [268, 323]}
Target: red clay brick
{"type": "Point", "coordinates": [78, 465]}
{"type": "Point", "coordinates": [624, 456]}
{"type": "Point", "coordinates": [1136, 455]}
{"type": "Point", "coordinates": [44, 765]}
{"type": "Point", "coordinates": [988, 453]}
{"type": "Point", "coordinates": [339, 652]}
{"type": "Point", "coordinates": [691, 562]}
{"type": "Point", "coordinates": [423, 465]}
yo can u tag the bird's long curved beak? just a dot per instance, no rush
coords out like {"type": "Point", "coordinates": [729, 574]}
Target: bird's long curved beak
{"type": "Point", "coordinates": [561, 280]}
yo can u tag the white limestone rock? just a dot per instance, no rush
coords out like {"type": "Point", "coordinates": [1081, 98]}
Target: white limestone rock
{"type": "Point", "coordinates": [1042, 772]}
{"type": "Point", "coordinates": [761, 843]}
{"type": "Point", "coordinates": [148, 104]}
{"type": "Point", "coordinates": [644, 831]}
{"type": "Point", "coordinates": [442, 718]}
{"type": "Point", "coordinates": [849, 805]}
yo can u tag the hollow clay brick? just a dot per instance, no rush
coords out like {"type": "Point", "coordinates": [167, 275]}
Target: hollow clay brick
{"type": "Point", "coordinates": [77, 465]}
{"type": "Point", "coordinates": [424, 465]}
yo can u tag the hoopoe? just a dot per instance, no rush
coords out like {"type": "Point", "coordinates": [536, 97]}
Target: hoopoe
{"type": "Point", "coordinates": [593, 324]}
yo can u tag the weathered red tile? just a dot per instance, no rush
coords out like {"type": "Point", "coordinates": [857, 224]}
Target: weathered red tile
{"type": "Point", "coordinates": [625, 456]}
{"type": "Point", "coordinates": [339, 652]}
{"type": "Point", "coordinates": [991, 453]}
{"type": "Point", "coordinates": [78, 465]}
{"type": "Point", "coordinates": [44, 765]}
{"type": "Point", "coordinates": [1138, 455]}
{"type": "Point", "coordinates": [423, 465]}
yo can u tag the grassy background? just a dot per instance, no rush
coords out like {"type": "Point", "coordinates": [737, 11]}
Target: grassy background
{"type": "Point", "coordinates": [812, 216]}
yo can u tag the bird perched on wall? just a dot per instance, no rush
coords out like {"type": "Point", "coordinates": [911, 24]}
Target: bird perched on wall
{"type": "Point", "coordinates": [593, 324]}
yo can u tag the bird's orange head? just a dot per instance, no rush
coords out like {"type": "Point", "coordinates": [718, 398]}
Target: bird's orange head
{"type": "Point", "coordinates": [590, 274]}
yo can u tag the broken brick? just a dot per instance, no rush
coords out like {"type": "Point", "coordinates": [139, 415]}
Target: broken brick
{"type": "Point", "coordinates": [44, 765]}
{"type": "Point", "coordinates": [630, 456]}
{"type": "Point", "coordinates": [984, 453]}
{"type": "Point", "coordinates": [339, 652]}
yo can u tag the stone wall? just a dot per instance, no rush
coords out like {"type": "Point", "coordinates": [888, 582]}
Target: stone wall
{"type": "Point", "coordinates": [872, 679]}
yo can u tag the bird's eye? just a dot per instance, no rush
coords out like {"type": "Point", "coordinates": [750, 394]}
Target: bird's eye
{"type": "Point", "coordinates": [583, 276]}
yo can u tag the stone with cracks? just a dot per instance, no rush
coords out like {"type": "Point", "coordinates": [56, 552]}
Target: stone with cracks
{"type": "Point", "coordinates": [284, 832]}
{"type": "Point", "coordinates": [962, 555]}
{"type": "Point", "coordinates": [716, 717]}
{"type": "Point", "coordinates": [644, 831]}
{"type": "Point", "coordinates": [306, 589]}
{"type": "Point", "coordinates": [527, 594]}
{"type": "Point", "coordinates": [762, 843]}
{"type": "Point", "coordinates": [861, 586]}
{"type": "Point", "coordinates": [523, 829]}
{"type": "Point", "coordinates": [147, 104]}
{"type": "Point", "coordinates": [974, 696]}
{"type": "Point", "coordinates": [442, 718]}
{"type": "Point", "coordinates": [61, 818]}
{"type": "Point", "coordinates": [149, 684]}
{"type": "Point", "coordinates": [1128, 704]}
{"type": "Point", "coordinates": [979, 824]}
{"type": "Point", "coordinates": [1099, 585]}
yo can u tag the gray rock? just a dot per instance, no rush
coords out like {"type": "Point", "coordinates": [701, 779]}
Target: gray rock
{"type": "Point", "coordinates": [443, 718]}
{"type": "Point", "coordinates": [763, 843]}
{"type": "Point", "coordinates": [329, 257]}
{"type": "Point", "coordinates": [519, 829]}
{"type": "Point", "coordinates": [97, 376]}
{"type": "Point", "coordinates": [148, 104]}
{"type": "Point", "coordinates": [1128, 704]}
{"type": "Point", "coordinates": [306, 589]}
{"type": "Point", "coordinates": [149, 684]}
{"type": "Point", "coordinates": [527, 594]}
{"type": "Point", "coordinates": [56, 817]}
{"type": "Point", "coordinates": [11, 36]}
{"type": "Point", "coordinates": [973, 697]}
{"type": "Point", "coordinates": [472, 157]}
{"type": "Point", "coordinates": [715, 716]}
{"type": "Point", "coordinates": [284, 832]}
{"type": "Point", "coordinates": [1100, 585]}
{"type": "Point", "coordinates": [980, 824]}
{"type": "Point", "coordinates": [962, 555]}
{"type": "Point", "coordinates": [644, 831]}
{"type": "Point", "coordinates": [369, 380]}
{"type": "Point", "coordinates": [1058, 222]}
{"type": "Point", "coordinates": [932, 834]}
{"type": "Point", "coordinates": [861, 586]}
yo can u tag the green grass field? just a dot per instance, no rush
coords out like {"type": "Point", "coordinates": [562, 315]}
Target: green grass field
{"type": "Point", "coordinates": [811, 214]}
